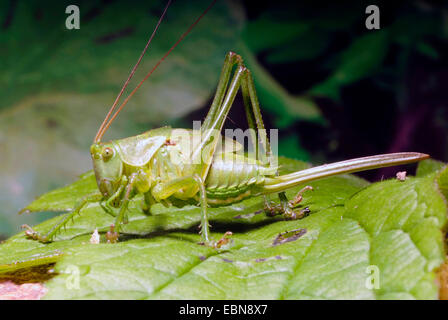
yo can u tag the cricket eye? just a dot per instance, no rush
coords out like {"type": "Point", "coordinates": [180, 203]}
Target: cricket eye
{"type": "Point", "coordinates": [107, 153]}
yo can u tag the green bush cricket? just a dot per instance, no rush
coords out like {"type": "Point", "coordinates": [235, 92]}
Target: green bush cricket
{"type": "Point", "coordinates": [167, 165]}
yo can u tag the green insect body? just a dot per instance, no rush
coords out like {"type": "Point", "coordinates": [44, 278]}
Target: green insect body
{"type": "Point", "coordinates": [167, 165]}
{"type": "Point", "coordinates": [157, 160]}
{"type": "Point", "coordinates": [156, 164]}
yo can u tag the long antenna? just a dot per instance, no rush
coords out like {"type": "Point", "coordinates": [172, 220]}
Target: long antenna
{"type": "Point", "coordinates": [100, 135]}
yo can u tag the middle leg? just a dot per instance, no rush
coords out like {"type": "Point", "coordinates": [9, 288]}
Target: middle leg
{"type": "Point", "coordinates": [165, 190]}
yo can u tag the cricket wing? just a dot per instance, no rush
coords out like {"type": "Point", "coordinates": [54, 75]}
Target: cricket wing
{"type": "Point", "coordinates": [138, 150]}
{"type": "Point", "coordinates": [191, 139]}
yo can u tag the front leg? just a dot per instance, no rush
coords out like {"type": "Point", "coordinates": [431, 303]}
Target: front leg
{"type": "Point", "coordinates": [137, 182]}
{"type": "Point", "coordinates": [109, 204]}
{"type": "Point", "coordinates": [204, 226]}
{"type": "Point", "coordinates": [48, 237]}
{"type": "Point", "coordinates": [122, 216]}
{"type": "Point", "coordinates": [148, 201]}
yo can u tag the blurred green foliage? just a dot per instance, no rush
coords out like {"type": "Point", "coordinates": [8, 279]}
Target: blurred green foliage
{"type": "Point", "coordinates": [376, 90]}
{"type": "Point", "coordinates": [301, 32]}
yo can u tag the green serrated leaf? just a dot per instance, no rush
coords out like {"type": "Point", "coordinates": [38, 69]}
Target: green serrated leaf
{"type": "Point", "coordinates": [391, 227]}
{"type": "Point", "coordinates": [428, 166]}
{"type": "Point", "coordinates": [163, 218]}
{"type": "Point", "coordinates": [64, 199]}
{"type": "Point", "coordinates": [404, 220]}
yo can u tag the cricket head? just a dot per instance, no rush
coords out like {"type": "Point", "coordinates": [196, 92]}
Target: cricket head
{"type": "Point", "coordinates": [107, 166]}
{"type": "Point", "coordinates": [107, 161]}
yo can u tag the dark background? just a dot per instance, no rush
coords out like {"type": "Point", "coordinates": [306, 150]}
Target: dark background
{"type": "Point", "coordinates": [397, 103]}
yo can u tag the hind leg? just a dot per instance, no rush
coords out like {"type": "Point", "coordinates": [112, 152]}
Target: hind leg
{"type": "Point", "coordinates": [287, 207]}
{"type": "Point", "coordinates": [255, 120]}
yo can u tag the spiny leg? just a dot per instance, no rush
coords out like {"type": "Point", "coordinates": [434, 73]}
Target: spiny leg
{"type": "Point", "coordinates": [223, 101]}
{"type": "Point", "coordinates": [299, 196]}
{"type": "Point", "coordinates": [122, 216]}
{"type": "Point", "coordinates": [218, 113]}
{"type": "Point", "coordinates": [137, 181]}
{"type": "Point", "coordinates": [219, 110]}
{"type": "Point", "coordinates": [107, 208]}
{"type": "Point", "coordinates": [287, 208]}
{"type": "Point", "coordinates": [192, 184]}
{"type": "Point", "coordinates": [251, 104]}
{"type": "Point", "coordinates": [255, 121]}
{"type": "Point", "coordinates": [223, 83]}
{"type": "Point", "coordinates": [205, 226]}
{"type": "Point", "coordinates": [48, 237]}
{"type": "Point", "coordinates": [148, 201]}
{"type": "Point", "coordinates": [107, 205]}
{"type": "Point", "coordinates": [213, 123]}
{"type": "Point", "coordinates": [203, 154]}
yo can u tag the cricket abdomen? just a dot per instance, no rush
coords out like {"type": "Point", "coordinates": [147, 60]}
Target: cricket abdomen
{"type": "Point", "coordinates": [231, 177]}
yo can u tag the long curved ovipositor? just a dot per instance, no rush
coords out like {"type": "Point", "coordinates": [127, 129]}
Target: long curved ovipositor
{"type": "Point", "coordinates": [287, 181]}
